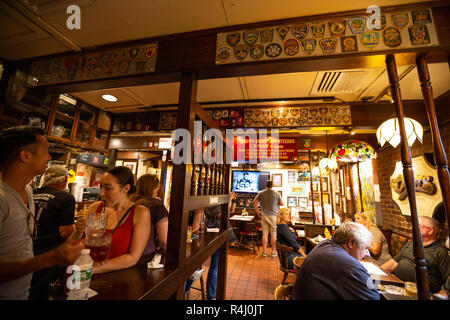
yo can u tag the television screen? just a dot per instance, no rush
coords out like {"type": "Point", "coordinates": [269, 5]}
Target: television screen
{"type": "Point", "coordinates": [249, 181]}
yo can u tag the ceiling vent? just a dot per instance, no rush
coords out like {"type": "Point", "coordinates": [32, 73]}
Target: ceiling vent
{"type": "Point", "coordinates": [335, 82]}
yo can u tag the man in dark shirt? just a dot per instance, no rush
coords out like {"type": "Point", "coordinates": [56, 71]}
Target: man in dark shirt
{"type": "Point", "coordinates": [54, 223]}
{"type": "Point", "coordinates": [332, 270]}
{"type": "Point", "coordinates": [436, 256]}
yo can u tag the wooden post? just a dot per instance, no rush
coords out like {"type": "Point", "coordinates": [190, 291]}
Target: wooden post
{"type": "Point", "coordinates": [408, 174]}
{"type": "Point", "coordinates": [440, 157]}
{"type": "Point", "coordinates": [351, 203]}
{"type": "Point", "coordinates": [359, 187]}
{"type": "Point", "coordinates": [332, 197]}
{"type": "Point", "coordinates": [181, 178]}
{"type": "Point", "coordinates": [313, 212]}
{"type": "Point", "coordinates": [341, 193]}
{"type": "Point", "coordinates": [320, 188]}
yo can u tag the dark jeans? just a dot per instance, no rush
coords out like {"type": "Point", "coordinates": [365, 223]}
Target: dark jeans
{"type": "Point", "coordinates": [211, 280]}
{"type": "Point", "coordinates": [291, 255]}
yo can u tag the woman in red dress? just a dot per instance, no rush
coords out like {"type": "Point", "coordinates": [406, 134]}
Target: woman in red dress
{"type": "Point", "coordinates": [129, 223]}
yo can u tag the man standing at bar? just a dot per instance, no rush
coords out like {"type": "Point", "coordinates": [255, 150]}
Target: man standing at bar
{"type": "Point", "coordinates": [270, 201]}
{"type": "Point", "coordinates": [54, 221]}
{"type": "Point", "coordinates": [436, 255]}
{"type": "Point", "coordinates": [23, 155]}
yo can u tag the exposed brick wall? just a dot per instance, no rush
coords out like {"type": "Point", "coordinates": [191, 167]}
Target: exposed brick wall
{"type": "Point", "coordinates": [386, 158]}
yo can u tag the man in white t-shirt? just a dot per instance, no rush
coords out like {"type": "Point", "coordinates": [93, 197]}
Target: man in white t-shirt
{"type": "Point", "coordinates": [23, 155]}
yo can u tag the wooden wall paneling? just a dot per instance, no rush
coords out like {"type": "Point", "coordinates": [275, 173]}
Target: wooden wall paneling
{"type": "Point", "coordinates": [440, 157]}
{"type": "Point", "coordinates": [408, 175]}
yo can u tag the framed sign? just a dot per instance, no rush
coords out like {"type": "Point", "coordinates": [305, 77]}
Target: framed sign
{"type": "Point", "coordinates": [291, 176]}
{"type": "Point", "coordinates": [302, 202]}
{"type": "Point", "coordinates": [326, 198]}
{"type": "Point", "coordinates": [324, 184]}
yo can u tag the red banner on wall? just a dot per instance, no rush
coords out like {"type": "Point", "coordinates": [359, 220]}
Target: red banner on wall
{"type": "Point", "coordinates": [260, 149]}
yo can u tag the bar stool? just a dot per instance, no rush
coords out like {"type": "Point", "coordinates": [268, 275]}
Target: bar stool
{"type": "Point", "coordinates": [202, 287]}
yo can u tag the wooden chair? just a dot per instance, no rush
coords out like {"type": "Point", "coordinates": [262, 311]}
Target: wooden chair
{"type": "Point", "coordinates": [282, 251]}
{"type": "Point", "coordinates": [298, 261]}
{"type": "Point", "coordinates": [250, 233]}
{"type": "Point", "coordinates": [283, 291]}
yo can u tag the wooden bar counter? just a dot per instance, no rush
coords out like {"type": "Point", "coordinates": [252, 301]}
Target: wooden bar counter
{"type": "Point", "coordinates": [141, 283]}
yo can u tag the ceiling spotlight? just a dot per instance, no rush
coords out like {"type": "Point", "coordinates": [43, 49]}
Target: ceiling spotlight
{"type": "Point", "coordinates": [109, 97]}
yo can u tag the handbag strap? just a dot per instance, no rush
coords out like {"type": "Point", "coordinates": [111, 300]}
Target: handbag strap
{"type": "Point", "coordinates": [123, 217]}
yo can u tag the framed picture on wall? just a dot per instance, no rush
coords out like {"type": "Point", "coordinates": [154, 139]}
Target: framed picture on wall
{"type": "Point", "coordinates": [291, 177]}
{"type": "Point", "coordinates": [315, 186]}
{"type": "Point", "coordinates": [316, 198]}
{"type": "Point", "coordinates": [326, 197]}
{"type": "Point", "coordinates": [131, 165]}
{"type": "Point", "coordinates": [324, 184]}
{"type": "Point", "coordinates": [302, 202]}
{"type": "Point", "coordinates": [277, 179]}
{"type": "Point", "coordinates": [291, 201]}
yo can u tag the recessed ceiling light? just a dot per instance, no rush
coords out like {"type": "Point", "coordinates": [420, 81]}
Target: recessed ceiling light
{"type": "Point", "coordinates": [109, 97]}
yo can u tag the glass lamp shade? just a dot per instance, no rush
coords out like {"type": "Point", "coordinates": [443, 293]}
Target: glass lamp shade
{"type": "Point", "coordinates": [328, 163]}
{"type": "Point", "coordinates": [352, 151]}
{"type": "Point", "coordinates": [389, 131]}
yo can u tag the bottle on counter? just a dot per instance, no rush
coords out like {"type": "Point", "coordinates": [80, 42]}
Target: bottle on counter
{"type": "Point", "coordinates": [80, 279]}
{"type": "Point", "coordinates": [327, 234]}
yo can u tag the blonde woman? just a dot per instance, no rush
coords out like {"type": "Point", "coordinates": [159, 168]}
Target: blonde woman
{"type": "Point", "coordinates": [287, 237]}
{"type": "Point", "coordinates": [379, 249]}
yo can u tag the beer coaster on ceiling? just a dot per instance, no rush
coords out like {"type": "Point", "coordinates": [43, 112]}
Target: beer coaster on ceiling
{"type": "Point", "coordinates": [93, 59]}
{"type": "Point", "coordinates": [357, 24]}
{"type": "Point", "coordinates": [275, 113]}
{"type": "Point", "coordinates": [300, 121]}
{"type": "Point", "coordinates": [150, 50]}
{"type": "Point", "coordinates": [257, 112]}
{"type": "Point", "coordinates": [139, 65]}
{"type": "Point", "coordinates": [266, 35]}
{"type": "Point", "coordinates": [265, 122]}
{"type": "Point", "coordinates": [284, 112]}
{"type": "Point", "coordinates": [96, 70]}
{"type": "Point", "coordinates": [291, 121]}
{"type": "Point", "coordinates": [275, 121]}
{"type": "Point", "coordinates": [349, 44]}
{"type": "Point", "coordinates": [337, 28]}
{"type": "Point", "coordinates": [257, 51]}
{"type": "Point", "coordinates": [71, 74]}
{"type": "Point", "coordinates": [250, 37]}
{"type": "Point", "coordinates": [124, 66]}
{"type": "Point", "coordinates": [248, 122]}
{"type": "Point", "coordinates": [370, 39]}
{"type": "Point", "coordinates": [346, 119]}
{"type": "Point", "coordinates": [310, 120]}
{"type": "Point", "coordinates": [323, 111]}
{"type": "Point", "coordinates": [133, 52]}
{"type": "Point", "coordinates": [233, 38]}
{"type": "Point", "coordinates": [328, 45]}
{"type": "Point", "coordinates": [248, 112]}
{"type": "Point", "coordinates": [300, 31]}
{"type": "Point", "coordinates": [318, 29]}
{"type": "Point", "coordinates": [391, 37]}
{"type": "Point", "coordinates": [293, 111]}
{"type": "Point", "coordinates": [318, 120]}
{"type": "Point", "coordinates": [400, 20]}
{"type": "Point", "coordinates": [309, 46]}
{"type": "Point", "coordinates": [110, 67]}
{"type": "Point", "coordinates": [334, 110]}
{"type": "Point", "coordinates": [283, 31]}
{"type": "Point", "coordinates": [421, 17]}
{"type": "Point", "coordinates": [418, 34]}
{"type": "Point", "coordinates": [337, 119]}
{"type": "Point", "coordinates": [273, 50]}
{"type": "Point", "coordinates": [327, 120]}
{"type": "Point", "coordinates": [257, 122]}
{"type": "Point", "coordinates": [70, 63]}
{"type": "Point", "coordinates": [291, 47]}
{"type": "Point", "coordinates": [304, 112]}
{"type": "Point", "coordinates": [265, 113]}
{"type": "Point", "coordinates": [283, 121]}
{"type": "Point", "coordinates": [241, 51]}
{"type": "Point", "coordinates": [223, 54]}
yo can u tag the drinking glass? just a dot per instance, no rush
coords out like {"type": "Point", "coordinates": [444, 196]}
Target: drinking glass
{"type": "Point", "coordinates": [98, 238]}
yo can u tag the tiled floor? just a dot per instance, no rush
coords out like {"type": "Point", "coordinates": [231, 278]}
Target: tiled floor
{"type": "Point", "coordinates": [249, 276]}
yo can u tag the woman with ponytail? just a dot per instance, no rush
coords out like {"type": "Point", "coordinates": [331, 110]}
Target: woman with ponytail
{"type": "Point", "coordinates": [129, 223]}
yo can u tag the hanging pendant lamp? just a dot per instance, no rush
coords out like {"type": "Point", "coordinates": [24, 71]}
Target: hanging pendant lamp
{"type": "Point", "coordinates": [389, 131]}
